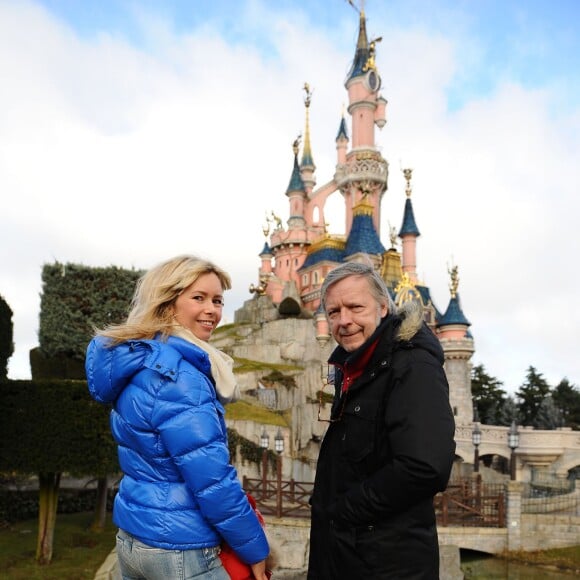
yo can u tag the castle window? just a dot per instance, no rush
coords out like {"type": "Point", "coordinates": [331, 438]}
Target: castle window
{"type": "Point", "coordinates": [305, 280]}
{"type": "Point", "coordinates": [316, 215]}
{"type": "Point", "coordinates": [315, 281]}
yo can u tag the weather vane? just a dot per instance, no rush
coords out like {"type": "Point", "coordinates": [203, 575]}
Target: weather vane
{"type": "Point", "coordinates": [355, 7]}
{"type": "Point", "coordinates": [454, 285]}
{"type": "Point", "coordinates": [296, 144]}
{"type": "Point", "coordinates": [308, 96]}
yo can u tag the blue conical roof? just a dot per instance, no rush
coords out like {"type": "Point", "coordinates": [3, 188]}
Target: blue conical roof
{"type": "Point", "coordinates": [453, 314]}
{"type": "Point", "coordinates": [265, 250]}
{"type": "Point", "coordinates": [342, 132]}
{"type": "Point", "coordinates": [409, 226]}
{"type": "Point", "coordinates": [296, 183]}
{"type": "Point", "coordinates": [363, 237]}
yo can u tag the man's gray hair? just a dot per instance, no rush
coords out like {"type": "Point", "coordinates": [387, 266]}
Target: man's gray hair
{"type": "Point", "coordinates": [377, 285]}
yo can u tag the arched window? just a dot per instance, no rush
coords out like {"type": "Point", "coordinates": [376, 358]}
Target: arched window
{"type": "Point", "coordinates": [316, 215]}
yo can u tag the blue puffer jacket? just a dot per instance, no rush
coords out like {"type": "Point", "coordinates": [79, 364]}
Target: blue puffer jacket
{"type": "Point", "coordinates": [179, 491]}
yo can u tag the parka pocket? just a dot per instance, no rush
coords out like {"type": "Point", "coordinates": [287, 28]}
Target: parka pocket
{"type": "Point", "coordinates": [360, 421]}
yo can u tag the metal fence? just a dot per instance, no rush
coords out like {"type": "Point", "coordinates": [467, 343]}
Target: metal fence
{"type": "Point", "coordinates": [464, 503]}
{"type": "Point", "coordinates": [548, 494]}
{"type": "Point", "coordinates": [471, 503]}
{"type": "Point", "coordinates": [280, 498]}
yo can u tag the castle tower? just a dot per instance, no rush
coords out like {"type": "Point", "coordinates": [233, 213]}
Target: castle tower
{"type": "Point", "coordinates": [457, 343]}
{"type": "Point", "coordinates": [296, 193]}
{"type": "Point", "coordinates": [409, 233]}
{"type": "Point", "coordinates": [364, 172]}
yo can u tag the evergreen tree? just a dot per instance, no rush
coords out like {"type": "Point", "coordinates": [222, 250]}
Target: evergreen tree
{"type": "Point", "coordinates": [531, 394]}
{"type": "Point", "coordinates": [508, 412]}
{"type": "Point", "coordinates": [548, 416]}
{"type": "Point", "coordinates": [488, 396]}
{"type": "Point", "coordinates": [6, 338]}
{"type": "Point", "coordinates": [567, 398]}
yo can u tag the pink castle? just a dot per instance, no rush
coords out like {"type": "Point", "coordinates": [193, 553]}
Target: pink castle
{"type": "Point", "coordinates": [296, 259]}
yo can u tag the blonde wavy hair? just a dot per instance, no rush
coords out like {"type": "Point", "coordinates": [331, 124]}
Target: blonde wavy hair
{"type": "Point", "coordinates": [152, 306]}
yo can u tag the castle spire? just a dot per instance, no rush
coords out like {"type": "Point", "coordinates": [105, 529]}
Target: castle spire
{"type": "Point", "coordinates": [409, 226]}
{"type": "Point", "coordinates": [296, 183]}
{"type": "Point", "coordinates": [361, 54]}
{"type": "Point", "coordinates": [307, 160]}
{"type": "Point", "coordinates": [342, 131]}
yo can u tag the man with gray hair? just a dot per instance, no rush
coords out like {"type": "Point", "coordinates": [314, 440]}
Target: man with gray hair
{"type": "Point", "coordinates": [389, 445]}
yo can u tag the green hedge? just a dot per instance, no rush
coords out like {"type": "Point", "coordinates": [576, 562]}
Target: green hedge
{"type": "Point", "coordinates": [23, 505]}
{"type": "Point", "coordinates": [54, 426]}
{"type": "Point", "coordinates": [75, 299]}
{"type": "Point", "coordinates": [6, 337]}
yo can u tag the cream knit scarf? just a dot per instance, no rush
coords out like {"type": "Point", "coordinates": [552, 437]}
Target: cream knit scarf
{"type": "Point", "coordinates": [221, 366]}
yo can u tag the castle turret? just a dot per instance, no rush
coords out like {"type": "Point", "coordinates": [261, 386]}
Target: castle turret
{"type": "Point", "coordinates": [296, 192]}
{"type": "Point", "coordinates": [458, 348]}
{"type": "Point", "coordinates": [322, 326]}
{"type": "Point", "coordinates": [364, 171]}
{"type": "Point", "coordinates": [409, 233]}
{"type": "Point", "coordinates": [266, 257]}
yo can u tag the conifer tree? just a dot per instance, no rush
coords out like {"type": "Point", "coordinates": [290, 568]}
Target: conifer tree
{"type": "Point", "coordinates": [548, 416]}
{"type": "Point", "coordinates": [488, 396]}
{"type": "Point", "coordinates": [508, 412]}
{"type": "Point", "coordinates": [531, 394]}
{"type": "Point", "coordinates": [567, 398]}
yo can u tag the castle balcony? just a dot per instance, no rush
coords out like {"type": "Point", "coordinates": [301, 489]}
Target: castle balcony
{"type": "Point", "coordinates": [284, 238]}
{"type": "Point", "coordinates": [365, 165]}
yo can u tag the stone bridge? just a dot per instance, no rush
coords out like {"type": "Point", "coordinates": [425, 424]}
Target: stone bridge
{"type": "Point", "coordinates": [556, 451]}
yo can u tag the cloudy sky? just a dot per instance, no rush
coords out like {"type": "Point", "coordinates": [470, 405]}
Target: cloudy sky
{"type": "Point", "coordinates": [135, 130]}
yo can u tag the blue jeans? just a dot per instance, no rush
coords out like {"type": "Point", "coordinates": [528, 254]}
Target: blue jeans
{"type": "Point", "coordinates": [138, 561]}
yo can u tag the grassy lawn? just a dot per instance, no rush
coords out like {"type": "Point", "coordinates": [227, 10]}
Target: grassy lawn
{"type": "Point", "coordinates": [77, 555]}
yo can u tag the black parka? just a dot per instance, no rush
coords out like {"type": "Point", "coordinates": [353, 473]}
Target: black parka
{"type": "Point", "coordinates": [381, 463]}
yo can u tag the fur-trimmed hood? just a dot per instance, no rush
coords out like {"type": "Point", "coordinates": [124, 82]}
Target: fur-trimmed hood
{"type": "Point", "coordinates": [413, 330]}
{"type": "Point", "coordinates": [411, 314]}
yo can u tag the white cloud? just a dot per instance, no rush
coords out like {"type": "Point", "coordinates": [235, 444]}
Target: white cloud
{"type": "Point", "coordinates": [110, 154]}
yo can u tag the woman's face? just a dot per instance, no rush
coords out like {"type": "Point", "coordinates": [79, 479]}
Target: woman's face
{"type": "Point", "coordinates": [199, 306]}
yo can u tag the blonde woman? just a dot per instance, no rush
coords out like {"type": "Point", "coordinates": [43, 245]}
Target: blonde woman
{"type": "Point", "coordinates": [180, 496]}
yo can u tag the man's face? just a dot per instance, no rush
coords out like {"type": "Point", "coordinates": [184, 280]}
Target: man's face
{"type": "Point", "coordinates": [353, 311]}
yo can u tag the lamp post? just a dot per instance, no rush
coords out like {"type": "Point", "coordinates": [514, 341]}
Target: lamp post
{"type": "Point", "coordinates": [264, 444]}
{"type": "Point", "coordinates": [476, 440]}
{"type": "Point", "coordinates": [279, 447]}
{"type": "Point", "coordinates": [513, 443]}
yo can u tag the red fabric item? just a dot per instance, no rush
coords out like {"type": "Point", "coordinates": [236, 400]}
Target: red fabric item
{"type": "Point", "coordinates": [351, 373]}
{"type": "Point", "coordinates": [236, 568]}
